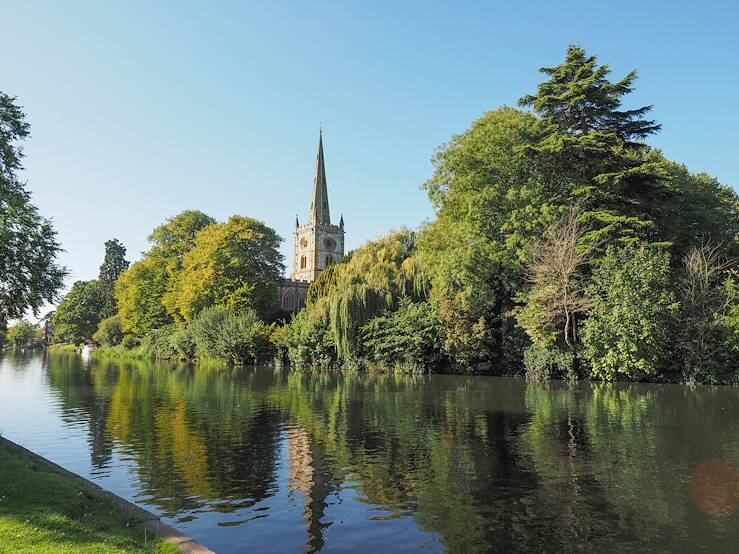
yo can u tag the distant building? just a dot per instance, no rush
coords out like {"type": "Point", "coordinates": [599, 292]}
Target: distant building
{"type": "Point", "coordinates": [318, 243]}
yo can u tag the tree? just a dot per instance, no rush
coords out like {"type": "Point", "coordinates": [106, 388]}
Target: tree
{"type": "Point", "coordinates": [489, 204]}
{"type": "Point", "coordinates": [629, 332]}
{"type": "Point", "coordinates": [78, 315]}
{"type": "Point", "coordinates": [593, 152]}
{"type": "Point", "coordinates": [29, 274]}
{"type": "Point", "coordinates": [558, 275]}
{"type": "Point", "coordinates": [176, 237]}
{"type": "Point", "coordinates": [700, 210]}
{"type": "Point", "coordinates": [113, 265]}
{"type": "Point", "coordinates": [579, 99]}
{"type": "Point", "coordinates": [109, 332]}
{"type": "Point", "coordinates": [23, 335]}
{"type": "Point", "coordinates": [706, 303]}
{"type": "Point", "coordinates": [235, 264]}
{"type": "Point", "coordinates": [139, 292]}
{"type": "Point", "coordinates": [146, 293]}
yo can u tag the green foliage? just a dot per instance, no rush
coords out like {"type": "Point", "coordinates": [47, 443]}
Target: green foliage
{"type": "Point", "coordinates": [367, 284]}
{"type": "Point", "coordinates": [700, 210]}
{"type": "Point", "coordinates": [307, 342]}
{"type": "Point", "coordinates": [706, 337]}
{"type": "Point", "coordinates": [489, 206]}
{"type": "Point", "coordinates": [592, 151]}
{"type": "Point", "coordinates": [113, 265]}
{"type": "Point", "coordinates": [579, 99]}
{"type": "Point", "coordinates": [139, 292]}
{"type": "Point", "coordinates": [109, 332]}
{"type": "Point", "coordinates": [407, 338]}
{"type": "Point", "coordinates": [170, 243]}
{"type": "Point", "coordinates": [235, 264]}
{"type": "Point", "coordinates": [78, 315]}
{"type": "Point", "coordinates": [629, 332]}
{"type": "Point", "coordinates": [130, 341]}
{"type": "Point", "coordinates": [29, 274]}
{"type": "Point", "coordinates": [23, 336]}
{"type": "Point", "coordinates": [170, 342]}
{"type": "Point", "coordinates": [501, 184]}
{"type": "Point", "coordinates": [236, 336]}
{"type": "Point", "coordinates": [174, 239]}
{"type": "Point", "coordinates": [544, 362]}
{"type": "Point", "coordinates": [146, 292]}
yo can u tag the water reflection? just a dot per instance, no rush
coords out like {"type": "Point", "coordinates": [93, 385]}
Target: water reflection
{"type": "Point", "coordinates": [283, 461]}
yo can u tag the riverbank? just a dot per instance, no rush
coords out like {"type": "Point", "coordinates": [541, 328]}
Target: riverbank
{"type": "Point", "coordinates": [44, 508]}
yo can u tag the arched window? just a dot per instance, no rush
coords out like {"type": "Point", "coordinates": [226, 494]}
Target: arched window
{"type": "Point", "coordinates": [289, 299]}
{"type": "Point", "coordinates": [303, 262]}
{"type": "Point", "coordinates": [329, 260]}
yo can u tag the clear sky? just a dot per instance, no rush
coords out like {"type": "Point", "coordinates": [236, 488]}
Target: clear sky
{"type": "Point", "coordinates": [140, 110]}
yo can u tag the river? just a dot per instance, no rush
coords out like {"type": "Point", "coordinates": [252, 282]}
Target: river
{"type": "Point", "coordinates": [266, 460]}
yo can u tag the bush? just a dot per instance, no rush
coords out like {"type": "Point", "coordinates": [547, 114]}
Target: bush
{"type": "Point", "coordinates": [182, 344]}
{"type": "Point", "coordinates": [130, 342]}
{"type": "Point", "coordinates": [629, 332]}
{"type": "Point", "coordinates": [308, 343]}
{"type": "Point", "coordinates": [545, 362]}
{"type": "Point", "coordinates": [236, 336]}
{"type": "Point", "coordinates": [408, 338]}
{"type": "Point", "coordinates": [170, 342]}
{"type": "Point", "coordinates": [109, 332]}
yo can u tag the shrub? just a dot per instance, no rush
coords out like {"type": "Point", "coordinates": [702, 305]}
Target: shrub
{"type": "Point", "coordinates": [182, 344]}
{"type": "Point", "coordinates": [156, 343]}
{"type": "Point", "coordinates": [308, 343]}
{"type": "Point", "coordinates": [109, 332]}
{"type": "Point", "coordinates": [236, 336]}
{"type": "Point", "coordinates": [408, 338]}
{"type": "Point", "coordinates": [130, 342]}
{"type": "Point", "coordinates": [545, 362]}
{"type": "Point", "coordinates": [629, 332]}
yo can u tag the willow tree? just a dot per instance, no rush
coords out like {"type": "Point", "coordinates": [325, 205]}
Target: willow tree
{"type": "Point", "coordinates": [369, 282]}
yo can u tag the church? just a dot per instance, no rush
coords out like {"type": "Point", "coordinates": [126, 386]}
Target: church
{"type": "Point", "coordinates": [317, 243]}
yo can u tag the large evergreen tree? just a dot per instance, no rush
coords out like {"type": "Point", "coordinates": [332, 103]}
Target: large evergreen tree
{"type": "Point", "coordinates": [113, 265]}
{"type": "Point", "coordinates": [593, 152]}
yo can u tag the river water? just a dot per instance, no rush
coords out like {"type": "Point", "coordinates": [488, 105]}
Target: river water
{"type": "Point", "coordinates": [265, 460]}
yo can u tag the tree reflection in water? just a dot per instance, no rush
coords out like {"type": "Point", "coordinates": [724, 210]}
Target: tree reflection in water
{"type": "Point", "coordinates": [480, 463]}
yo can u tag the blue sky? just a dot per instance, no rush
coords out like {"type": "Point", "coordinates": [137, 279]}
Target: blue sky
{"type": "Point", "coordinates": [140, 110]}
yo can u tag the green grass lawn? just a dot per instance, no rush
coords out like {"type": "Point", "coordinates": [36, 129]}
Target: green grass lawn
{"type": "Point", "coordinates": [43, 511]}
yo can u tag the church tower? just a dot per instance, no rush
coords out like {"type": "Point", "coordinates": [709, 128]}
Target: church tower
{"type": "Point", "coordinates": [318, 244]}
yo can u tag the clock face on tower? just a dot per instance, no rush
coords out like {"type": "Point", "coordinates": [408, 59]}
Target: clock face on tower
{"type": "Point", "coordinates": [329, 243]}
{"type": "Point", "coordinates": [304, 242]}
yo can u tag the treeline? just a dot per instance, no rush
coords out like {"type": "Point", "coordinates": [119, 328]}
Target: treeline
{"type": "Point", "coordinates": [204, 289]}
{"type": "Point", "coordinates": [563, 246]}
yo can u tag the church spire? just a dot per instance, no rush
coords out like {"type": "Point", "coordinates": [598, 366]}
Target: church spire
{"type": "Point", "coordinates": [319, 212]}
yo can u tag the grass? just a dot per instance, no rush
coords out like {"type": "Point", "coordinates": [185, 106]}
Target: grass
{"type": "Point", "coordinates": [62, 347]}
{"type": "Point", "coordinates": [42, 511]}
{"type": "Point", "coordinates": [119, 352]}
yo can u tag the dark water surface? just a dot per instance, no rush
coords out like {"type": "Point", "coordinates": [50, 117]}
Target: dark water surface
{"type": "Point", "coordinates": [265, 460]}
